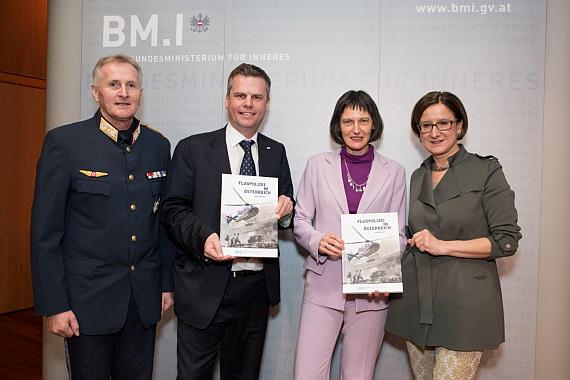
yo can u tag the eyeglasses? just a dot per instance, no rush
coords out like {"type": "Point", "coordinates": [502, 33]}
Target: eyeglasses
{"type": "Point", "coordinates": [441, 125]}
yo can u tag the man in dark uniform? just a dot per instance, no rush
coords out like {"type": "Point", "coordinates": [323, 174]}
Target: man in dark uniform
{"type": "Point", "coordinates": [101, 262]}
{"type": "Point", "coordinates": [222, 303]}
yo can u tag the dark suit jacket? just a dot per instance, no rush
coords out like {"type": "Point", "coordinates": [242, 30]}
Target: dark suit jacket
{"type": "Point", "coordinates": [93, 239]}
{"type": "Point", "coordinates": [191, 212]}
{"type": "Point", "coordinates": [449, 301]}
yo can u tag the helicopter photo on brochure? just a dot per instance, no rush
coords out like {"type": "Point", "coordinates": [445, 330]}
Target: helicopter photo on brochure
{"type": "Point", "coordinates": [248, 223]}
{"type": "Point", "coordinates": [371, 257]}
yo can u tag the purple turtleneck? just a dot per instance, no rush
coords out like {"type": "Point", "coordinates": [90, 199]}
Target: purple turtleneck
{"type": "Point", "coordinates": [359, 167]}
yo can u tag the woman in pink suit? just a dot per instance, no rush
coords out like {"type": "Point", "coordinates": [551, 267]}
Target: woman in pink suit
{"type": "Point", "coordinates": [353, 179]}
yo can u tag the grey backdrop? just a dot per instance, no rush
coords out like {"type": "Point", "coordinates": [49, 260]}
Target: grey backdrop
{"type": "Point", "coordinates": [491, 54]}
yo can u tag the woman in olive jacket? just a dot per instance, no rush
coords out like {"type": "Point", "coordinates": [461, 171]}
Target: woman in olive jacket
{"type": "Point", "coordinates": [462, 217]}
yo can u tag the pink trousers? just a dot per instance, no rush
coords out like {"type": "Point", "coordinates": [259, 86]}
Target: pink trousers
{"type": "Point", "coordinates": [319, 331]}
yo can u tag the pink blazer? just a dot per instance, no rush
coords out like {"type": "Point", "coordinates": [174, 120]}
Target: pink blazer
{"type": "Point", "coordinates": [321, 201]}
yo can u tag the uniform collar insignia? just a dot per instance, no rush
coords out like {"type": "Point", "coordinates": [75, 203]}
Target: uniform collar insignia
{"type": "Point", "coordinates": [136, 133]}
{"type": "Point", "coordinates": [108, 129]}
{"type": "Point", "coordinates": [112, 132]}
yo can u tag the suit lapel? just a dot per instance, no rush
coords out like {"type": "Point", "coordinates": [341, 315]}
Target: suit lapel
{"type": "Point", "coordinates": [265, 155]}
{"type": "Point", "coordinates": [447, 188]}
{"type": "Point", "coordinates": [426, 191]}
{"type": "Point", "coordinates": [217, 156]}
{"type": "Point", "coordinates": [376, 181]}
{"type": "Point", "coordinates": [333, 177]}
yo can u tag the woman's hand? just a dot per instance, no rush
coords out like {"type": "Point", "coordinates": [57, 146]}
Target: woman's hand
{"type": "Point", "coordinates": [426, 242]}
{"type": "Point", "coordinates": [331, 245]}
{"type": "Point", "coordinates": [479, 248]}
{"type": "Point", "coordinates": [377, 295]}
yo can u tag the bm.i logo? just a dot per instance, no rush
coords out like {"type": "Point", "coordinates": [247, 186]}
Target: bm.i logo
{"type": "Point", "coordinates": [114, 34]}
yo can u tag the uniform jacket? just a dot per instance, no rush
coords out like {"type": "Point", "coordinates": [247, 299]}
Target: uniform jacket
{"type": "Point", "coordinates": [448, 301]}
{"type": "Point", "coordinates": [96, 235]}
{"type": "Point", "coordinates": [191, 213]}
{"type": "Point", "coordinates": [321, 201]}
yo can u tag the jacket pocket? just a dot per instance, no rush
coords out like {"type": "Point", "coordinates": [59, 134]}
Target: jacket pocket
{"type": "Point", "coordinates": [472, 187]}
{"type": "Point", "coordinates": [311, 264]}
{"type": "Point", "coordinates": [79, 266]}
{"type": "Point", "coordinates": [92, 187]}
{"type": "Point", "coordinates": [480, 276]}
{"type": "Point", "coordinates": [156, 187]}
{"type": "Point", "coordinates": [191, 267]}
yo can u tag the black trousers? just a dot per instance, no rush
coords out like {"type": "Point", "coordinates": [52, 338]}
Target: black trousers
{"type": "Point", "coordinates": [125, 355]}
{"type": "Point", "coordinates": [237, 332]}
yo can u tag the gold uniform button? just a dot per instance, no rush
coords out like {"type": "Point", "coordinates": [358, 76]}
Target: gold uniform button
{"type": "Point", "coordinates": [133, 268]}
{"type": "Point", "coordinates": [131, 177]}
{"type": "Point", "coordinates": [134, 238]}
{"type": "Point", "coordinates": [133, 207]}
{"type": "Point", "coordinates": [128, 149]}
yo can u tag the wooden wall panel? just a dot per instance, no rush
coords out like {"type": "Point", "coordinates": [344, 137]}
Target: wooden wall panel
{"type": "Point", "coordinates": [23, 27]}
{"type": "Point", "coordinates": [23, 57]}
{"type": "Point", "coordinates": [23, 123]}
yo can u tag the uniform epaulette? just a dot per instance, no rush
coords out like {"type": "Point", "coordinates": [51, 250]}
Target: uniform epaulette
{"type": "Point", "coordinates": [489, 157]}
{"type": "Point", "coordinates": [152, 129]}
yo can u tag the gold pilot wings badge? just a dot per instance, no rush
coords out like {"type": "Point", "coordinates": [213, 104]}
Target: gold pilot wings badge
{"type": "Point", "coordinates": [93, 174]}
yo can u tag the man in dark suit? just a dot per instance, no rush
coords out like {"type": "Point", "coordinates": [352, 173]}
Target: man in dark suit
{"type": "Point", "coordinates": [223, 303]}
{"type": "Point", "coordinates": [101, 262]}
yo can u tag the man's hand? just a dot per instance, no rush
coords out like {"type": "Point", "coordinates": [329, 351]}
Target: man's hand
{"type": "Point", "coordinates": [213, 248]}
{"type": "Point", "coordinates": [284, 206]}
{"type": "Point", "coordinates": [167, 301]}
{"type": "Point", "coordinates": [63, 324]}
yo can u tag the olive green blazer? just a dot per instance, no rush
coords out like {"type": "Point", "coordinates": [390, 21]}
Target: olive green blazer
{"type": "Point", "coordinates": [448, 301]}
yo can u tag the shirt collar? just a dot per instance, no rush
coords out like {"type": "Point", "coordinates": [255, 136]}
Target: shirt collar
{"type": "Point", "coordinates": [234, 137]}
{"type": "Point", "coordinates": [452, 160]}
